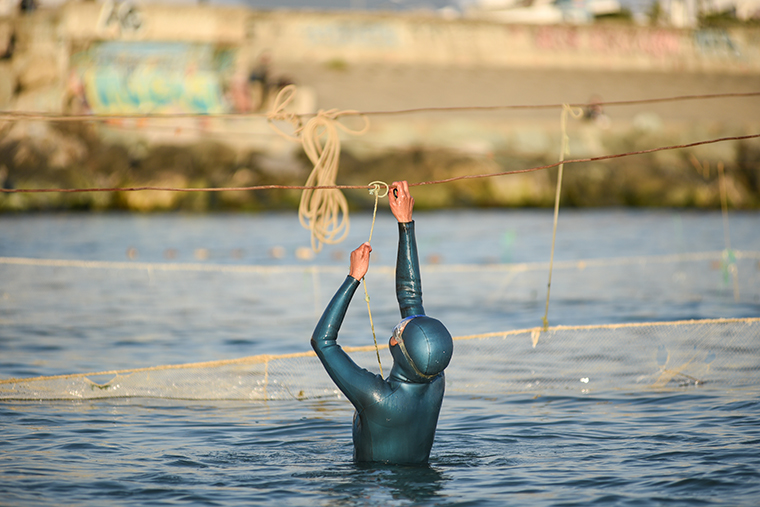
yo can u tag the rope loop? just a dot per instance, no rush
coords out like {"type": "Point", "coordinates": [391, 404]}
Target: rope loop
{"type": "Point", "coordinates": [375, 189]}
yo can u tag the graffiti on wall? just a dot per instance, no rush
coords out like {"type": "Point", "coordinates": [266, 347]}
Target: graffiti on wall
{"type": "Point", "coordinates": [121, 16]}
{"type": "Point", "coordinates": [553, 38]}
{"type": "Point", "coordinates": [715, 42]}
{"type": "Point", "coordinates": [352, 34]}
{"type": "Point", "coordinates": [656, 43]}
{"type": "Point", "coordinates": [139, 77]}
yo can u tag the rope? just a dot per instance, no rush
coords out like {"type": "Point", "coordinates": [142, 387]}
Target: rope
{"type": "Point", "coordinates": [677, 98]}
{"type": "Point", "coordinates": [375, 190]}
{"type": "Point", "coordinates": [522, 267]}
{"type": "Point", "coordinates": [41, 116]}
{"type": "Point", "coordinates": [567, 109]}
{"type": "Point", "coordinates": [354, 187]}
{"type": "Point", "coordinates": [266, 358]}
{"type": "Point", "coordinates": [278, 113]}
{"type": "Point", "coordinates": [323, 208]}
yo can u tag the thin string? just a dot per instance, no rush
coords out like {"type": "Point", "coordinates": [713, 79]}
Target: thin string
{"type": "Point", "coordinates": [567, 109]}
{"type": "Point", "coordinates": [729, 259]}
{"type": "Point", "coordinates": [522, 267]}
{"type": "Point", "coordinates": [323, 208]}
{"type": "Point", "coordinates": [375, 190]}
{"type": "Point", "coordinates": [41, 116]}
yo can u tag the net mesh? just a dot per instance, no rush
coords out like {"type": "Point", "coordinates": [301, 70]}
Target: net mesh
{"type": "Point", "coordinates": [635, 355]}
{"type": "Point", "coordinates": [718, 352]}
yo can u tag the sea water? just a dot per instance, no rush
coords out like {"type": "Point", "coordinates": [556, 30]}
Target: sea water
{"type": "Point", "coordinates": [695, 445]}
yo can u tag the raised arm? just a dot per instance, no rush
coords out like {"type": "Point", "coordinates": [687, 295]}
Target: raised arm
{"type": "Point", "coordinates": [408, 281]}
{"type": "Point", "coordinates": [359, 385]}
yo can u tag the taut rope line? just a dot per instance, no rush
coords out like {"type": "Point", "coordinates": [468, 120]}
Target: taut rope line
{"type": "Point", "coordinates": [364, 187]}
{"type": "Point", "coordinates": [522, 267]}
{"type": "Point", "coordinates": [562, 152]}
{"type": "Point", "coordinates": [34, 115]}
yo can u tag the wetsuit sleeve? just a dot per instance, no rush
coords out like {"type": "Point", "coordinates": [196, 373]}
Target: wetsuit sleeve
{"type": "Point", "coordinates": [408, 281]}
{"type": "Point", "coordinates": [360, 386]}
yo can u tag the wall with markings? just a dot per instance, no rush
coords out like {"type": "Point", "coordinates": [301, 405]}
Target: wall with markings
{"type": "Point", "coordinates": [152, 77]}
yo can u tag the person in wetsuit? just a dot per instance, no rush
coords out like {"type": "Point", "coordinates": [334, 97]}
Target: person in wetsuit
{"type": "Point", "coordinates": [396, 417]}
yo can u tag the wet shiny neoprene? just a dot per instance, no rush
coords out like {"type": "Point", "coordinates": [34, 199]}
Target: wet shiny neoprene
{"type": "Point", "coordinates": [396, 417]}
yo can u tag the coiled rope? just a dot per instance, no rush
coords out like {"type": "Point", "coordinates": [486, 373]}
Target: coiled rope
{"type": "Point", "coordinates": [324, 211]}
{"type": "Point", "coordinates": [323, 208]}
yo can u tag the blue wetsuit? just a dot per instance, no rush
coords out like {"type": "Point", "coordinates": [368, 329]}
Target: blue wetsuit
{"type": "Point", "coordinates": [396, 417]}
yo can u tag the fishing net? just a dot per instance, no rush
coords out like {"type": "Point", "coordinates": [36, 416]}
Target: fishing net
{"type": "Point", "coordinates": [722, 353]}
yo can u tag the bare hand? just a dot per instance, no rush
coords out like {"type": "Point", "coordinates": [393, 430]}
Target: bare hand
{"type": "Point", "coordinates": [360, 261]}
{"type": "Point", "coordinates": [401, 201]}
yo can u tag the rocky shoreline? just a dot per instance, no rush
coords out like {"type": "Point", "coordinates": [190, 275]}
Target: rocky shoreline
{"type": "Point", "coordinates": [74, 155]}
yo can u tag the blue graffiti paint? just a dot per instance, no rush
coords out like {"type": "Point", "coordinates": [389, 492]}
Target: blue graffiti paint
{"type": "Point", "coordinates": [128, 78]}
{"type": "Point", "coordinates": [716, 42]}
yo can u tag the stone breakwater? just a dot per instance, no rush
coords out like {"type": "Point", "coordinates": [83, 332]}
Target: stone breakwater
{"type": "Point", "coordinates": [74, 156]}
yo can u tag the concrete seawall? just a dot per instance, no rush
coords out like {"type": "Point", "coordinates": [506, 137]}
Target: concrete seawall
{"type": "Point", "coordinates": [462, 43]}
{"type": "Point", "coordinates": [420, 40]}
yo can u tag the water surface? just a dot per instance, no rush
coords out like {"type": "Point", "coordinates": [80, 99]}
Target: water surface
{"type": "Point", "coordinates": [689, 445]}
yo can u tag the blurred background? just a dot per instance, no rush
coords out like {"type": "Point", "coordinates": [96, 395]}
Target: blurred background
{"type": "Point", "coordinates": [173, 93]}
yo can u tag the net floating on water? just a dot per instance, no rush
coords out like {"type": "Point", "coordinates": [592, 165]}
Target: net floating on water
{"type": "Point", "coordinates": [656, 355]}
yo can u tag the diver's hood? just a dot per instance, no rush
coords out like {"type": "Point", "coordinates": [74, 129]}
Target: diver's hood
{"type": "Point", "coordinates": [428, 347]}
